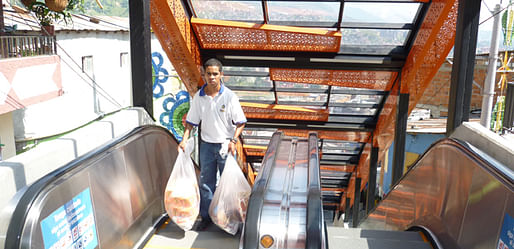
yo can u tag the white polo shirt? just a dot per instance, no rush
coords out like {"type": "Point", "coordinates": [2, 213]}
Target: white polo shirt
{"type": "Point", "coordinates": [219, 115]}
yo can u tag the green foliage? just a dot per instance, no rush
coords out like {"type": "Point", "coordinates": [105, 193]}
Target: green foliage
{"type": "Point", "coordinates": [47, 17]}
{"type": "Point", "coordinates": [110, 8]}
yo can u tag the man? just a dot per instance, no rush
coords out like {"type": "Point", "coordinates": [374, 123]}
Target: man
{"type": "Point", "coordinates": [222, 121]}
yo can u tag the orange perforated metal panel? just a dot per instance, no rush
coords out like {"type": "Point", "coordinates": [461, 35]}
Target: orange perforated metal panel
{"type": "Point", "coordinates": [346, 168]}
{"type": "Point", "coordinates": [346, 78]}
{"type": "Point", "coordinates": [354, 136]}
{"type": "Point", "coordinates": [283, 112]}
{"type": "Point", "coordinates": [434, 41]}
{"type": "Point", "coordinates": [171, 27]}
{"type": "Point", "coordinates": [362, 171]}
{"type": "Point", "coordinates": [217, 34]}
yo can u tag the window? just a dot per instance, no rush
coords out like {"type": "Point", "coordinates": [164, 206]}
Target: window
{"type": "Point", "coordinates": [87, 64]}
{"type": "Point", "coordinates": [124, 59]}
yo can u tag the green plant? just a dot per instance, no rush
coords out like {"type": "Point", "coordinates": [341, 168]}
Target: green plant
{"type": "Point", "coordinates": [47, 17]}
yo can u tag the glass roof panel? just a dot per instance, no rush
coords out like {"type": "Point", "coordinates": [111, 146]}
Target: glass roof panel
{"type": "Point", "coordinates": [380, 12]}
{"type": "Point", "coordinates": [253, 141]}
{"type": "Point", "coordinates": [303, 11]}
{"type": "Point", "coordinates": [302, 97]}
{"type": "Point", "coordinates": [228, 10]}
{"type": "Point", "coordinates": [373, 37]}
{"type": "Point", "coordinates": [358, 99]}
{"type": "Point", "coordinates": [260, 132]}
{"type": "Point", "coordinates": [255, 96]}
{"type": "Point", "coordinates": [283, 84]}
{"type": "Point", "coordinates": [247, 81]}
{"type": "Point", "coordinates": [331, 146]}
{"type": "Point", "coordinates": [352, 110]}
{"type": "Point", "coordinates": [245, 69]}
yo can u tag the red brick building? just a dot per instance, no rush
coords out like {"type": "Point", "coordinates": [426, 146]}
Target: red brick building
{"type": "Point", "coordinates": [435, 97]}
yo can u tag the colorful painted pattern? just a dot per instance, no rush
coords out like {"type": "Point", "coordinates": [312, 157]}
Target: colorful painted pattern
{"type": "Point", "coordinates": [171, 101]}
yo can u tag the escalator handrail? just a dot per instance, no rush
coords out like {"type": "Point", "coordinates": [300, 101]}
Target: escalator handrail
{"type": "Point", "coordinates": [314, 202]}
{"type": "Point", "coordinates": [496, 168]}
{"type": "Point", "coordinates": [256, 201]}
{"type": "Point", "coordinates": [27, 198]}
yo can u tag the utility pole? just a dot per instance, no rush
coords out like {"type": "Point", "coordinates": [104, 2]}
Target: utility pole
{"type": "Point", "coordinates": [1, 16]}
{"type": "Point", "coordinates": [488, 92]}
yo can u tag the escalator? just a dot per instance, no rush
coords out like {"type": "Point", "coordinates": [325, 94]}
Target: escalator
{"type": "Point", "coordinates": [453, 197]}
{"type": "Point", "coordinates": [112, 197]}
{"type": "Point", "coordinates": [455, 194]}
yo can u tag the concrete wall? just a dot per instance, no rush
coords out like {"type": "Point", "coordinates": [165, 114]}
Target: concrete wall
{"type": "Point", "coordinates": [7, 136]}
{"type": "Point", "coordinates": [415, 145]}
{"type": "Point", "coordinates": [109, 53]}
{"type": "Point", "coordinates": [22, 170]}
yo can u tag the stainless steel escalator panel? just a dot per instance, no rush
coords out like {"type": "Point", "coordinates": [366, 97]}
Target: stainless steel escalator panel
{"type": "Point", "coordinates": [120, 185]}
{"type": "Point", "coordinates": [460, 196]}
{"type": "Point", "coordinates": [284, 211]}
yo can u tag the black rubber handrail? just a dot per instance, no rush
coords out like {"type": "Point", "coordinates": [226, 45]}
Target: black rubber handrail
{"type": "Point", "coordinates": [314, 202]}
{"type": "Point", "coordinates": [31, 193]}
{"type": "Point", "coordinates": [256, 201]}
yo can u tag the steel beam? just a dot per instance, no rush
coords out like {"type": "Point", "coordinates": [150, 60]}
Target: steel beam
{"type": "Point", "coordinates": [140, 54]}
{"type": "Point", "coordinates": [400, 133]}
{"type": "Point", "coordinates": [508, 119]}
{"type": "Point", "coordinates": [356, 201]}
{"type": "Point", "coordinates": [372, 179]}
{"type": "Point", "coordinates": [347, 210]}
{"type": "Point", "coordinates": [463, 64]}
{"type": "Point", "coordinates": [1, 16]}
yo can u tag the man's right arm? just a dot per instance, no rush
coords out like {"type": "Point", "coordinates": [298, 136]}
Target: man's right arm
{"type": "Point", "coordinates": [185, 137]}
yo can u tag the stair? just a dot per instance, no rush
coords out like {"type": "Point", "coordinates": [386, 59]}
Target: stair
{"type": "Point", "coordinates": [356, 238]}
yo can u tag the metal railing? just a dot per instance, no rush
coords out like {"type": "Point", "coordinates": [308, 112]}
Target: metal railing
{"type": "Point", "coordinates": [24, 46]}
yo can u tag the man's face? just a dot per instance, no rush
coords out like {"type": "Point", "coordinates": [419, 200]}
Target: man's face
{"type": "Point", "coordinates": [212, 76]}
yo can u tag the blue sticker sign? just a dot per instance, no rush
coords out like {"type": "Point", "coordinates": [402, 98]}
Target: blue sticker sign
{"type": "Point", "coordinates": [71, 226]}
{"type": "Point", "coordinates": [506, 240]}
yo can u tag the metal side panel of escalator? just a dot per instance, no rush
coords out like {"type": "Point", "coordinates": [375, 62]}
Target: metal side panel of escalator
{"type": "Point", "coordinates": [112, 197]}
{"type": "Point", "coordinates": [458, 196]}
{"type": "Point", "coordinates": [285, 208]}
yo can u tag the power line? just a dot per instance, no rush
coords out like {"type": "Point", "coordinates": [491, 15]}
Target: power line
{"type": "Point", "coordinates": [495, 13]}
{"type": "Point", "coordinates": [107, 96]}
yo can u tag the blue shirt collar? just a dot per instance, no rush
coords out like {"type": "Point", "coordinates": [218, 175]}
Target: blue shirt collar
{"type": "Point", "coordinates": [202, 90]}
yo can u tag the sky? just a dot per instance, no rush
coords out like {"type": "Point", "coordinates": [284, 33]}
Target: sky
{"type": "Point", "coordinates": [485, 13]}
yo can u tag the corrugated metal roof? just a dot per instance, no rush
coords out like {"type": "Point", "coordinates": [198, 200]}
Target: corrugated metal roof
{"type": "Point", "coordinates": [27, 21]}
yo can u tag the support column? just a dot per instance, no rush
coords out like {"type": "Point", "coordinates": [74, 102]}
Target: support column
{"type": "Point", "coordinates": [508, 118]}
{"type": "Point", "coordinates": [372, 179]}
{"type": "Point", "coordinates": [140, 54]}
{"type": "Point", "coordinates": [463, 64]}
{"type": "Point", "coordinates": [400, 133]}
{"type": "Point", "coordinates": [356, 201]}
{"type": "Point", "coordinates": [490, 80]}
{"type": "Point", "coordinates": [1, 16]}
{"type": "Point", "coordinates": [347, 210]}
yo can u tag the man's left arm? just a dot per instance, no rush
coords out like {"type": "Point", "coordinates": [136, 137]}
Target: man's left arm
{"type": "Point", "coordinates": [233, 142]}
{"type": "Point", "coordinates": [239, 119]}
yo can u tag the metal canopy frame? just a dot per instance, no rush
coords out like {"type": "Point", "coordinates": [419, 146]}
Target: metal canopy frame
{"type": "Point", "coordinates": [255, 83]}
{"type": "Point", "coordinates": [349, 93]}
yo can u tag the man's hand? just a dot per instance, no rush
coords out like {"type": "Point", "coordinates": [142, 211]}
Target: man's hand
{"type": "Point", "coordinates": [232, 147]}
{"type": "Point", "coordinates": [182, 145]}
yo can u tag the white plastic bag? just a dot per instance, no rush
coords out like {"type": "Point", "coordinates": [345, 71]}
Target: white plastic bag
{"type": "Point", "coordinates": [182, 197]}
{"type": "Point", "coordinates": [230, 200]}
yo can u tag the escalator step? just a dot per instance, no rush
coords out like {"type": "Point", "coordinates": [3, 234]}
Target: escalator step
{"type": "Point", "coordinates": [375, 234]}
{"type": "Point", "coordinates": [368, 243]}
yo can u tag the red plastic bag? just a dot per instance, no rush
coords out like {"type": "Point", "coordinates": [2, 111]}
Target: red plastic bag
{"type": "Point", "coordinates": [182, 196]}
{"type": "Point", "coordinates": [230, 200]}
